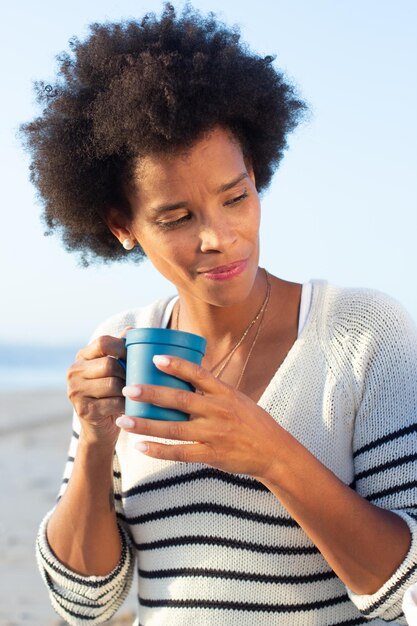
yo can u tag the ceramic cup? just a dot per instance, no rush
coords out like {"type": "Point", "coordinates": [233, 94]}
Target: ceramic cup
{"type": "Point", "coordinates": [141, 345]}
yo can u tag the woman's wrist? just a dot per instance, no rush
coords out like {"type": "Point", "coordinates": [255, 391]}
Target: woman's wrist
{"type": "Point", "coordinates": [279, 461]}
{"type": "Point", "coordinates": [94, 443]}
{"type": "Point", "coordinates": [95, 457]}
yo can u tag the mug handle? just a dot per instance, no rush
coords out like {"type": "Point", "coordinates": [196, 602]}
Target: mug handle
{"type": "Point", "coordinates": [122, 361]}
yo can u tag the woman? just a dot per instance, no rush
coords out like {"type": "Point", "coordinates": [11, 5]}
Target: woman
{"type": "Point", "coordinates": [289, 497]}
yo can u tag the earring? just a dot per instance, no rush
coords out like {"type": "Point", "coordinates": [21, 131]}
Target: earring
{"type": "Point", "coordinates": [128, 244]}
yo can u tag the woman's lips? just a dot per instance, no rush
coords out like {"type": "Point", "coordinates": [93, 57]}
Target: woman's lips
{"type": "Point", "coordinates": [225, 272]}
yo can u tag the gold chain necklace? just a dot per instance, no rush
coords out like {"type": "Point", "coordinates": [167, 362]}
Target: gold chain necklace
{"type": "Point", "coordinates": [258, 331]}
{"type": "Point", "coordinates": [225, 360]}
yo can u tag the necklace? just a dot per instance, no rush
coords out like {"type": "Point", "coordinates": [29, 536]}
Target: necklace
{"type": "Point", "coordinates": [258, 331]}
{"type": "Point", "coordinates": [225, 360]}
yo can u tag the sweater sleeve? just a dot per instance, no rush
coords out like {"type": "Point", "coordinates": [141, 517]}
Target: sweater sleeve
{"type": "Point", "coordinates": [85, 599]}
{"type": "Point", "coordinates": [94, 599]}
{"type": "Point", "coordinates": [384, 439]}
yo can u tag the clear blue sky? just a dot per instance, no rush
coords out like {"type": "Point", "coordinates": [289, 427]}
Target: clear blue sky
{"type": "Point", "coordinates": [343, 205]}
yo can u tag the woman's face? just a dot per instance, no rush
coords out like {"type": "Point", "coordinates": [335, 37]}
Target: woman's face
{"type": "Point", "coordinates": [196, 215]}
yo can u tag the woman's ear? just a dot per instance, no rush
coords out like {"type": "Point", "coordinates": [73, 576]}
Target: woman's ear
{"type": "Point", "coordinates": [117, 224]}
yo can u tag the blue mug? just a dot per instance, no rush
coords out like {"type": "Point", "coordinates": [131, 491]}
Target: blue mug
{"type": "Point", "coordinates": [141, 345]}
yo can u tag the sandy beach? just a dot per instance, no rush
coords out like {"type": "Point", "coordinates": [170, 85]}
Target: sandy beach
{"type": "Point", "coordinates": [34, 434]}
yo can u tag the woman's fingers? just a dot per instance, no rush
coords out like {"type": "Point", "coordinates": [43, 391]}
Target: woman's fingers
{"type": "Point", "coordinates": [123, 333]}
{"type": "Point", "coordinates": [185, 453]}
{"type": "Point", "coordinates": [103, 346]}
{"type": "Point", "coordinates": [205, 411]}
{"type": "Point", "coordinates": [102, 367]}
{"type": "Point", "coordinates": [202, 379]}
{"type": "Point", "coordinates": [86, 397]}
{"type": "Point", "coordinates": [94, 387]}
{"type": "Point", "coordinates": [99, 359]}
{"type": "Point", "coordinates": [172, 398]}
{"type": "Point", "coordinates": [163, 429]}
{"type": "Point", "coordinates": [104, 388]}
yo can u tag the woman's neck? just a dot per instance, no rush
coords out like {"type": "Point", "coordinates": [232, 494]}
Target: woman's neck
{"type": "Point", "coordinates": [222, 326]}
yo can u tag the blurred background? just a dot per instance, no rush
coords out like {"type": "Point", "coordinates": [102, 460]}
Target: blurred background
{"type": "Point", "coordinates": [342, 206]}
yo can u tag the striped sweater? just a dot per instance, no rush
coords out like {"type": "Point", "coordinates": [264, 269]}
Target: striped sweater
{"type": "Point", "coordinates": [215, 549]}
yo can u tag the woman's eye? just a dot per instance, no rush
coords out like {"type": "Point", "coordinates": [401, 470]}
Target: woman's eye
{"type": "Point", "coordinates": [174, 223]}
{"type": "Point", "coordinates": [237, 199]}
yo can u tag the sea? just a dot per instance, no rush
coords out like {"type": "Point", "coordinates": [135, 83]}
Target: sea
{"type": "Point", "coordinates": [32, 367]}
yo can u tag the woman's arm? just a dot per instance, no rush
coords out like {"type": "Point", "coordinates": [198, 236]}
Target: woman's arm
{"type": "Point", "coordinates": [84, 520]}
{"type": "Point", "coordinates": [84, 599]}
{"type": "Point", "coordinates": [83, 553]}
{"type": "Point", "coordinates": [363, 544]}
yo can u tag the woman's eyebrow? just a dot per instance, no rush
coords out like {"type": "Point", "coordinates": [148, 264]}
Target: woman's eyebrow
{"type": "Point", "coordinates": [181, 205]}
{"type": "Point", "coordinates": [232, 183]}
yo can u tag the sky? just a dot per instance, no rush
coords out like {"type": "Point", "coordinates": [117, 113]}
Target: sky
{"type": "Point", "coordinates": [341, 207]}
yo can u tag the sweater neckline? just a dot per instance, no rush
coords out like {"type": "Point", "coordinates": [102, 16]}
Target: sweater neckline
{"type": "Point", "coordinates": [316, 288]}
{"type": "Point", "coordinates": [295, 348]}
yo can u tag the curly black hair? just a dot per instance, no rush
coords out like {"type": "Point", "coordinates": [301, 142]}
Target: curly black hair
{"type": "Point", "coordinates": [139, 87]}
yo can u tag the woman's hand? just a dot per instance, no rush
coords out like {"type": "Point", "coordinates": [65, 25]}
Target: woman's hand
{"type": "Point", "coordinates": [95, 382]}
{"type": "Point", "coordinates": [226, 430]}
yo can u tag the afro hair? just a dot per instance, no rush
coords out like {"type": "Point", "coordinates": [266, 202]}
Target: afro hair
{"type": "Point", "coordinates": [139, 87]}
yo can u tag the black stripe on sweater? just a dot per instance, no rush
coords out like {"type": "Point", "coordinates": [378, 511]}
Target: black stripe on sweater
{"type": "Point", "coordinates": [199, 572]}
{"type": "Point", "coordinates": [394, 619]}
{"type": "Point", "coordinates": [357, 621]}
{"type": "Point", "coordinates": [210, 507]}
{"type": "Point", "coordinates": [243, 606]}
{"type": "Point", "coordinates": [75, 434]}
{"type": "Point", "coordinates": [386, 438]}
{"type": "Point", "coordinates": [201, 474]}
{"type": "Point", "coordinates": [57, 593]}
{"type": "Point", "coordinates": [386, 466]}
{"type": "Point", "coordinates": [203, 540]}
{"type": "Point", "coordinates": [388, 492]}
{"type": "Point", "coordinates": [392, 590]}
{"type": "Point", "coordinates": [80, 616]}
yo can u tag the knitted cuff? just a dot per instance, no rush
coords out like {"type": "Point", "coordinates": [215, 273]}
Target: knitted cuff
{"type": "Point", "coordinates": [90, 595]}
{"type": "Point", "coordinates": [386, 602]}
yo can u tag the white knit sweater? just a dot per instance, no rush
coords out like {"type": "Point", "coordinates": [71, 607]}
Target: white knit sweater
{"type": "Point", "coordinates": [216, 549]}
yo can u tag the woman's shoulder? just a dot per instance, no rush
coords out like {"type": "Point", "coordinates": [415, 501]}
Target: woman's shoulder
{"type": "Point", "coordinates": [147, 316]}
{"type": "Point", "coordinates": [359, 313]}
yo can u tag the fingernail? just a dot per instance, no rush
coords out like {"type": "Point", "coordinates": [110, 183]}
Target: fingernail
{"type": "Point", "coordinates": [125, 422]}
{"type": "Point", "coordinates": [141, 446]}
{"type": "Point", "coordinates": [160, 359]}
{"type": "Point", "coordinates": [132, 391]}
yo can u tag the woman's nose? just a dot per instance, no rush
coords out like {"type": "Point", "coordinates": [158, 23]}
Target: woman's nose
{"type": "Point", "coordinates": [217, 236]}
